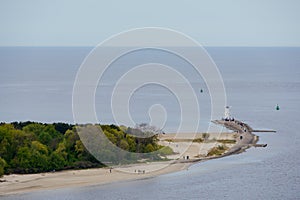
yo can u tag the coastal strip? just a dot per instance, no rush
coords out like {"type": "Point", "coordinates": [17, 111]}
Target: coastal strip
{"type": "Point", "coordinates": [16, 184]}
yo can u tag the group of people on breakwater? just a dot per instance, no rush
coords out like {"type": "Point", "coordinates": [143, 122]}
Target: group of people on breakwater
{"type": "Point", "coordinates": [243, 126]}
{"type": "Point", "coordinates": [231, 119]}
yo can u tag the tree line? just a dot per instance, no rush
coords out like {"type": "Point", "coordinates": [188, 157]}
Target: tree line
{"type": "Point", "coordinates": [32, 147]}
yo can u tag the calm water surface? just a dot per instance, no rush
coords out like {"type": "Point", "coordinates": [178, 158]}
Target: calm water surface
{"type": "Point", "coordinates": [36, 84]}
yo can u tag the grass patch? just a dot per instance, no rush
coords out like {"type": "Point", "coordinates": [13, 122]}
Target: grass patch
{"type": "Point", "coordinates": [219, 150]}
{"type": "Point", "coordinates": [164, 151]}
{"type": "Point", "coordinates": [185, 140]}
{"type": "Point", "coordinates": [227, 141]}
{"type": "Point", "coordinates": [169, 140]}
{"type": "Point", "coordinates": [199, 140]}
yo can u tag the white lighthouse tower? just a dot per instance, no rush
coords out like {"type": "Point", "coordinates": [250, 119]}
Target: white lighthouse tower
{"type": "Point", "coordinates": [227, 113]}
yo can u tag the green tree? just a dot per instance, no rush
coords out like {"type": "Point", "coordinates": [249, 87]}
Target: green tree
{"type": "Point", "coordinates": [33, 158]}
{"type": "Point", "coordinates": [35, 128]}
{"type": "Point", "coordinates": [29, 147]}
{"type": "Point", "coordinates": [57, 161]}
{"type": "Point", "coordinates": [62, 150]}
{"type": "Point", "coordinates": [45, 138]}
{"type": "Point", "coordinates": [124, 144]}
{"type": "Point", "coordinates": [79, 148]}
{"type": "Point", "coordinates": [39, 147]}
{"type": "Point", "coordinates": [2, 166]}
{"type": "Point", "coordinates": [149, 148]}
{"type": "Point", "coordinates": [70, 139]}
{"type": "Point", "coordinates": [131, 143]}
{"type": "Point", "coordinates": [22, 160]}
{"type": "Point", "coordinates": [5, 149]}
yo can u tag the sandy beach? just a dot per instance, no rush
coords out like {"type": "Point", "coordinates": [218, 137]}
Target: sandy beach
{"type": "Point", "coordinates": [32, 182]}
{"type": "Point", "coordinates": [15, 183]}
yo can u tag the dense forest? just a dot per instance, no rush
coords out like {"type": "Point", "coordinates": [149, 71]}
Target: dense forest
{"type": "Point", "coordinates": [31, 147]}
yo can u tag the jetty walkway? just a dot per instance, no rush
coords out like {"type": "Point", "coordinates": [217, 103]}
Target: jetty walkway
{"type": "Point", "coordinates": [246, 138]}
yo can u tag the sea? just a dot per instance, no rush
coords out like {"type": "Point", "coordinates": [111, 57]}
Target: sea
{"type": "Point", "coordinates": [36, 84]}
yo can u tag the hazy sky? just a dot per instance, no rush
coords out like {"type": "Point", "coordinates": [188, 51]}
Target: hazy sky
{"type": "Point", "coordinates": [211, 22]}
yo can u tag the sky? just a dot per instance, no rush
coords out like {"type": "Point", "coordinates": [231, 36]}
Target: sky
{"type": "Point", "coordinates": [210, 22]}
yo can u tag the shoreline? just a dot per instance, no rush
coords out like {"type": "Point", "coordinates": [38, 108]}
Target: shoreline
{"type": "Point", "coordinates": [19, 184]}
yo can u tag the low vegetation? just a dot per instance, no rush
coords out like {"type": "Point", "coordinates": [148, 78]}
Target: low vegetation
{"type": "Point", "coordinates": [164, 151]}
{"type": "Point", "coordinates": [205, 136]}
{"type": "Point", "coordinates": [199, 140]}
{"type": "Point", "coordinates": [217, 151]}
{"type": "Point", "coordinates": [227, 141]}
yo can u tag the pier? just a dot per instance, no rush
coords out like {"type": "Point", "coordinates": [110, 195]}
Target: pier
{"type": "Point", "coordinates": [264, 131]}
{"type": "Point", "coordinates": [246, 138]}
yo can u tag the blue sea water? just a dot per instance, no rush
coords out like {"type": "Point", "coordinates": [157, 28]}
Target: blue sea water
{"type": "Point", "coordinates": [36, 84]}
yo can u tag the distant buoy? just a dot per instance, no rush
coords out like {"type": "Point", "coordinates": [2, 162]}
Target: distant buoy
{"type": "Point", "coordinates": [201, 91]}
{"type": "Point", "coordinates": [277, 107]}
